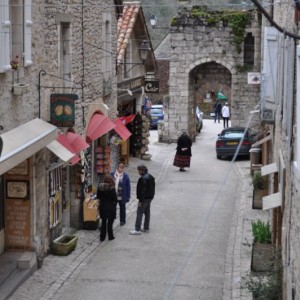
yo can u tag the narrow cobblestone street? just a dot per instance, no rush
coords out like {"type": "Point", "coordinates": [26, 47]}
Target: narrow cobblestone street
{"type": "Point", "coordinates": [69, 277]}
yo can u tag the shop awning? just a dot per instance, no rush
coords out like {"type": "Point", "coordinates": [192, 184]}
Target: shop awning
{"type": "Point", "coordinates": [127, 119]}
{"type": "Point", "coordinates": [98, 126]}
{"type": "Point", "coordinates": [263, 140]}
{"type": "Point", "coordinates": [269, 169]}
{"type": "Point", "coordinates": [60, 151]}
{"type": "Point", "coordinates": [272, 201]}
{"type": "Point", "coordinates": [121, 129]}
{"type": "Point", "coordinates": [24, 141]}
{"type": "Point", "coordinates": [221, 96]}
{"type": "Point", "coordinates": [76, 141]}
{"type": "Point", "coordinates": [62, 139]}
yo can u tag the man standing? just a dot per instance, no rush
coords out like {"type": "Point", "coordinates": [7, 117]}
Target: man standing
{"type": "Point", "coordinates": [225, 115]}
{"type": "Point", "coordinates": [145, 191]}
{"type": "Point", "coordinates": [217, 110]}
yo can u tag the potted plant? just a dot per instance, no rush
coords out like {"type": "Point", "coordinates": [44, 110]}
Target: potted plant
{"type": "Point", "coordinates": [260, 190]}
{"type": "Point", "coordinates": [266, 285]}
{"type": "Point", "coordinates": [262, 249]}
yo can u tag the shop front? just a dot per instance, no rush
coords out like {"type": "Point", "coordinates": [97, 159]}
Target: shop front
{"type": "Point", "coordinates": [22, 169]}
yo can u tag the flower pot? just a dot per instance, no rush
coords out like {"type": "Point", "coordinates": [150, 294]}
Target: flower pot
{"type": "Point", "coordinates": [20, 88]}
{"type": "Point", "coordinates": [257, 198]}
{"type": "Point", "coordinates": [64, 244]}
{"type": "Point", "coordinates": [262, 257]}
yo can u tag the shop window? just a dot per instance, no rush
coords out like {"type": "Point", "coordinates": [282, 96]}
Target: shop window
{"type": "Point", "coordinates": [15, 34]}
{"type": "Point", "coordinates": [249, 50]}
{"type": "Point", "coordinates": [55, 206]}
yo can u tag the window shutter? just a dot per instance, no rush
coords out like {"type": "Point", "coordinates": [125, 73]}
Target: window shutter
{"type": "Point", "coordinates": [298, 110]}
{"type": "Point", "coordinates": [5, 28]}
{"type": "Point", "coordinates": [270, 67]}
{"type": "Point", "coordinates": [27, 33]}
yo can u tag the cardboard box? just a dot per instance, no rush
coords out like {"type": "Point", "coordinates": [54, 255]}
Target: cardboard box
{"type": "Point", "coordinates": [90, 210]}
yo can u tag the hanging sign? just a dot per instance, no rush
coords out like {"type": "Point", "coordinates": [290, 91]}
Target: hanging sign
{"type": "Point", "coordinates": [151, 86]}
{"type": "Point", "coordinates": [62, 108]}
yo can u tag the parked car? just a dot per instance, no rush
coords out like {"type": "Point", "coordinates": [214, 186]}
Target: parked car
{"type": "Point", "coordinates": [199, 119]}
{"type": "Point", "coordinates": [229, 139]}
{"type": "Point", "coordinates": [157, 114]}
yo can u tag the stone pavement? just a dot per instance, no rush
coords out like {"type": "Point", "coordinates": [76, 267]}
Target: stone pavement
{"type": "Point", "coordinates": [56, 270]}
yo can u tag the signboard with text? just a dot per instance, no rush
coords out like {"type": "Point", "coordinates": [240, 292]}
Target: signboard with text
{"type": "Point", "coordinates": [62, 109]}
{"type": "Point", "coordinates": [151, 86]}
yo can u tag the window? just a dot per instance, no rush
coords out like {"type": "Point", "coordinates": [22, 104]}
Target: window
{"type": "Point", "coordinates": [297, 162]}
{"type": "Point", "coordinates": [15, 33]}
{"type": "Point", "coordinates": [65, 54]}
{"type": "Point", "coordinates": [107, 57]}
{"type": "Point", "coordinates": [249, 50]}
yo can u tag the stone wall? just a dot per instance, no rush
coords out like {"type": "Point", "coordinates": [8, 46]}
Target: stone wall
{"type": "Point", "coordinates": [86, 74]}
{"type": "Point", "coordinates": [193, 46]}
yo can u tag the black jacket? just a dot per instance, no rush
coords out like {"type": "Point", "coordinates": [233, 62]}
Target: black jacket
{"type": "Point", "coordinates": [108, 201]}
{"type": "Point", "coordinates": [184, 141]}
{"type": "Point", "coordinates": [145, 188]}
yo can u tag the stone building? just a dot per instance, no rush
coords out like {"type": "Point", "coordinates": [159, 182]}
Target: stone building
{"type": "Point", "coordinates": [207, 54]}
{"type": "Point", "coordinates": [58, 82]}
{"type": "Point", "coordinates": [280, 113]}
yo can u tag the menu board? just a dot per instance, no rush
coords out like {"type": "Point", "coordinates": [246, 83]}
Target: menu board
{"type": "Point", "coordinates": [17, 227]}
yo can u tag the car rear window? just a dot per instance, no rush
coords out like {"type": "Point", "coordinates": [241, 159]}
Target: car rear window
{"type": "Point", "coordinates": [233, 134]}
{"type": "Point", "coordinates": [156, 111]}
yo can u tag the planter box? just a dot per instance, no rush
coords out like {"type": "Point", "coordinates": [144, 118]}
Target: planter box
{"type": "Point", "coordinates": [257, 198]}
{"type": "Point", "coordinates": [64, 244]}
{"type": "Point", "coordinates": [262, 257]}
{"type": "Point", "coordinates": [20, 88]}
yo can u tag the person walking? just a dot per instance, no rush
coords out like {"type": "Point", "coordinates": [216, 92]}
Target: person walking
{"type": "Point", "coordinates": [225, 115]}
{"type": "Point", "coordinates": [217, 110]}
{"type": "Point", "coordinates": [107, 196]}
{"type": "Point", "coordinates": [123, 189]}
{"type": "Point", "coordinates": [145, 191]}
{"type": "Point", "coordinates": [183, 152]}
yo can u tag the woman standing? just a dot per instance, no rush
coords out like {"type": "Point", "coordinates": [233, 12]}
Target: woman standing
{"type": "Point", "coordinates": [123, 189]}
{"type": "Point", "coordinates": [108, 205]}
{"type": "Point", "coordinates": [183, 152]}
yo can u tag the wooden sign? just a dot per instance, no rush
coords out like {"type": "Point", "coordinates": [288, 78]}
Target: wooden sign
{"type": "Point", "coordinates": [62, 109]}
{"type": "Point", "coordinates": [17, 227]}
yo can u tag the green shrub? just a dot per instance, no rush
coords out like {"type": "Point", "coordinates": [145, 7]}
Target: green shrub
{"type": "Point", "coordinates": [258, 181]}
{"type": "Point", "coordinates": [261, 232]}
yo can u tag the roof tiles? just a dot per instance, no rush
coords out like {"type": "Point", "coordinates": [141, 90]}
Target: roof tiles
{"type": "Point", "coordinates": [125, 26]}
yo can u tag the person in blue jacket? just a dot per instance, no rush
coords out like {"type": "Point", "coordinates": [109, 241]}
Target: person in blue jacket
{"type": "Point", "coordinates": [123, 190]}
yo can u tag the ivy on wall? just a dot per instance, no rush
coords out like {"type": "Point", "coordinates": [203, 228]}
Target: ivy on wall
{"type": "Point", "coordinates": [236, 20]}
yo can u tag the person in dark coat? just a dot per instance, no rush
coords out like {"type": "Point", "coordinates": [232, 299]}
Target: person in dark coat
{"type": "Point", "coordinates": [145, 191]}
{"type": "Point", "coordinates": [183, 152]}
{"type": "Point", "coordinates": [107, 196]}
{"type": "Point", "coordinates": [123, 189]}
{"type": "Point", "coordinates": [217, 111]}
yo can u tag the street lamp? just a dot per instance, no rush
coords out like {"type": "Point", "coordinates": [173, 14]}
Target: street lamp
{"type": "Point", "coordinates": [143, 50]}
{"type": "Point", "coordinates": [153, 21]}
{"type": "Point", "coordinates": [126, 90]}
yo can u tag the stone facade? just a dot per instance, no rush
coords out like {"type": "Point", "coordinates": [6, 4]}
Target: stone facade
{"type": "Point", "coordinates": [193, 45]}
{"type": "Point", "coordinates": [285, 152]}
{"type": "Point", "coordinates": [69, 55]}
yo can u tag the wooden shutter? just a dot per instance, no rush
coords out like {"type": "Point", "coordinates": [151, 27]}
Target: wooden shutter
{"type": "Point", "coordinates": [27, 33]}
{"type": "Point", "coordinates": [5, 27]}
{"type": "Point", "coordinates": [270, 67]}
{"type": "Point", "coordinates": [298, 110]}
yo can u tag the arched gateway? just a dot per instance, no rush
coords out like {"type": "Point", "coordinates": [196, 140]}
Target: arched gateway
{"type": "Point", "coordinates": [204, 60]}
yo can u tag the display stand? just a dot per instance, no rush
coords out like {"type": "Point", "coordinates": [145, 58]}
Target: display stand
{"type": "Point", "coordinates": [90, 212]}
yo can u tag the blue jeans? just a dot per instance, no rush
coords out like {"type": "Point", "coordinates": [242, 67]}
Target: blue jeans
{"type": "Point", "coordinates": [143, 208]}
{"type": "Point", "coordinates": [217, 116]}
{"type": "Point", "coordinates": [122, 206]}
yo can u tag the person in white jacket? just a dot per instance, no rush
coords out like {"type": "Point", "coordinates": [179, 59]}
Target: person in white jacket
{"type": "Point", "coordinates": [225, 115]}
